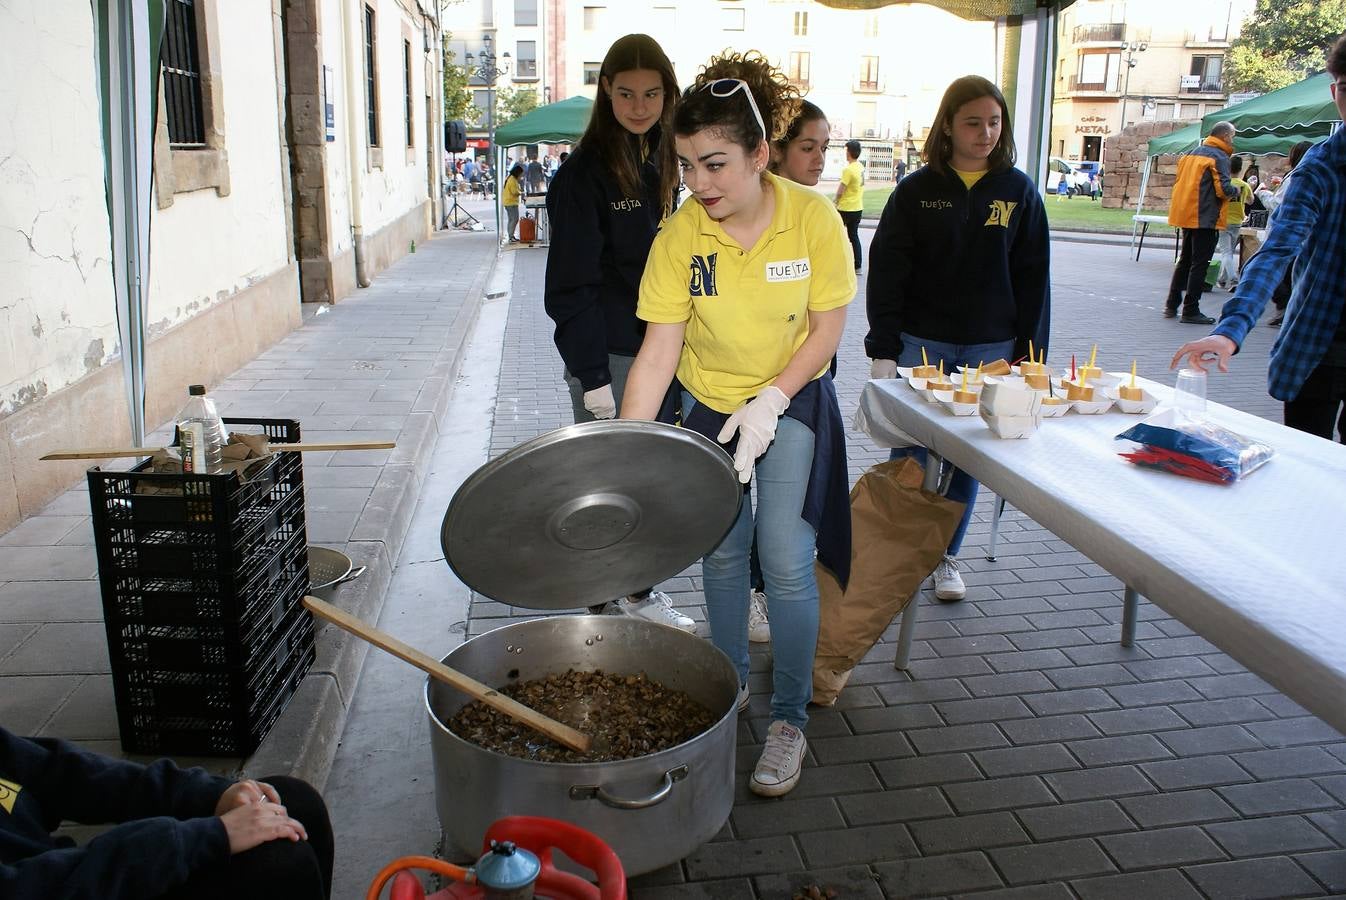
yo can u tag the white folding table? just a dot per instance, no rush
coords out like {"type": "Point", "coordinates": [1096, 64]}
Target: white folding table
{"type": "Point", "coordinates": [1257, 567]}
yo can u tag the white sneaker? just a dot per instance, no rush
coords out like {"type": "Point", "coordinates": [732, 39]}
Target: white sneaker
{"type": "Point", "coordinates": [743, 697]}
{"type": "Point", "coordinates": [759, 629]}
{"type": "Point", "coordinates": [657, 608]}
{"type": "Point", "coordinates": [778, 767]}
{"type": "Point", "coordinates": [948, 583]}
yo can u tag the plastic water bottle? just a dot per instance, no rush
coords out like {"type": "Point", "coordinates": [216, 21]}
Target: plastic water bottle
{"type": "Point", "coordinates": [200, 411]}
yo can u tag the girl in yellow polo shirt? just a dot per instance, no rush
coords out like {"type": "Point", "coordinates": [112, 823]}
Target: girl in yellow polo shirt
{"type": "Point", "coordinates": [744, 294]}
{"type": "Point", "coordinates": [510, 194]}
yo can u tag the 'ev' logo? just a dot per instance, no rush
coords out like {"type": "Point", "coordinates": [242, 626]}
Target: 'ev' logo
{"type": "Point", "coordinates": [703, 276]}
{"type": "Point", "coordinates": [1000, 213]}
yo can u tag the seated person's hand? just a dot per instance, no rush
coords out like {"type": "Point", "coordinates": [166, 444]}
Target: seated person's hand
{"type": "Point", "coordinates": [244, 792]}
{"type": "Point", "coordinates": [253, 824]}
{"type": "Point", "coordinates": [1215, 348]}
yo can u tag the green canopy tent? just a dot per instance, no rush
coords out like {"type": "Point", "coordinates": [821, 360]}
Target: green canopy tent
{"type": "Point", "coordinates": [561, 122]}
{"type": "Point", "coordinates": [1305, 107]}
{"type": "Point", "coordinates": [1267, 125]}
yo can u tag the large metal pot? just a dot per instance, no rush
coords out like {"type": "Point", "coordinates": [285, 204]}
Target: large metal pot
{"type": "Point", "coordinates": [652, 810]}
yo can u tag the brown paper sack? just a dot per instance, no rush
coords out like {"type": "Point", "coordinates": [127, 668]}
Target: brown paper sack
{"type": "Point", "coordinates": [899, 533]}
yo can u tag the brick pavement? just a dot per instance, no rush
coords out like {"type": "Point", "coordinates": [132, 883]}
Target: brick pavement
{"type": "Point", "coordinates": [1025, 753]}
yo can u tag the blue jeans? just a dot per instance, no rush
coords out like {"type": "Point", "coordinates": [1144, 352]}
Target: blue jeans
{"type": "Point", "coordinates": [962, 487]}
{"type": "Point", "coordinates": [786, 544]}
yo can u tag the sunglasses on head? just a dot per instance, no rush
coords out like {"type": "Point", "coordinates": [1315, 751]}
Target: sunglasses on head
{"type": "Point", "coordinates": [726, 87]}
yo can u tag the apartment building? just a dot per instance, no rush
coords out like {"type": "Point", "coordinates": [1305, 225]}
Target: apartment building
{"type": "Point", "coordinates": [1122, 62]}
{"type": "Point", "coordinates": [882, 89]}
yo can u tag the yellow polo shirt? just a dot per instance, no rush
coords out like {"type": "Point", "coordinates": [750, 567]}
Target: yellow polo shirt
{"type": "Point", "coordinates": [853, 179]}
{"type": "Point", "coordinates": [746, 310]}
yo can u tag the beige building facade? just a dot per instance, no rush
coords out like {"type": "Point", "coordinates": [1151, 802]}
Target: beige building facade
{"type": "Point", "coordinates": [1128, 62]}
{"type": "Point", "coordinates": [878, 74]}
{"type": "Point", "coordinates": [295, 157]}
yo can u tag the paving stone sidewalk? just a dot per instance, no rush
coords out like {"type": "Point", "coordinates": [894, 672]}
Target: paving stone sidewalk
{"type": "Point", "coordinates": [1025, 753]}
{"type": "Point", "coordinates": [377, 366]}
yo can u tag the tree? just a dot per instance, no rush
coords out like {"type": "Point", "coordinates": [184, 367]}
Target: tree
{"type": "Point", "coordinates": [457, 96]}
{"type": "Point", "coordinates": [511, 103]}
{"type": "Point", "coordinates": [1283, 42]}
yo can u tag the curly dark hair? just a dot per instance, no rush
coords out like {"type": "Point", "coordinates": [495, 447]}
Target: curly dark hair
{"type": "Point", "coordinates": [777, 100]}
{"type": "Point", "coordinates": [1336, 58]}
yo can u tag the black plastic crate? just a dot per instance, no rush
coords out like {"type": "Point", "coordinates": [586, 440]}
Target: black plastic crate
{"type": "Point", "coordinates": [198, 714]}
{"type": "Point", "coordinates": [131, 597]}
{"type": "Point", "coordinates": [211, 551]}
{"type": "Point", "coordinates": [203, 581]}
{"type": "Point", "coordinates": [203, 648]}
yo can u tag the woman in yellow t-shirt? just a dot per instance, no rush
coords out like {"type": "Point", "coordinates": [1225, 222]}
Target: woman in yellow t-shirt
{"type": "Point", "coordinates": [744, 294]}
{"type": "Point", "coordinates": [509, 198]}
{"type": "Point", "coordinates": [851, 197]}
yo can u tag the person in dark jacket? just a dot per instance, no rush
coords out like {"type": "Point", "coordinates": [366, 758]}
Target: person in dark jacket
{"type": "Point", "coordinates": [181, 834]}
{"type": "Point", "coordinates": [959, 263]}
{"type": "Point", "coordinates": [1200, 200]}
{"type": "Point", "coordinates": [605, 205]}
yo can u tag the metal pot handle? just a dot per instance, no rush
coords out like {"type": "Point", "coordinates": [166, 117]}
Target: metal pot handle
{"type": "Point", "coordinates": [594, 791]}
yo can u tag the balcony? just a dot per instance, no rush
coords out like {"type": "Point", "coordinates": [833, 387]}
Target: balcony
{"type": "Point", "coordinates": [1196, 84]}
{"type": "Point", "coordinates": [1092, 87]}
{"type": "Point", "coordinates": [1111, 33]}
{"type": "Point", "coordinates": [1215, 36]}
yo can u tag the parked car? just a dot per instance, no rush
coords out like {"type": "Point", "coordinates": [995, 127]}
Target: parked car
{"type": "Point", "coordinates": [1077, 182]}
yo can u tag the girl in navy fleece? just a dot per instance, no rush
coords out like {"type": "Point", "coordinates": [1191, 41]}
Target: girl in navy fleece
{"type": "Point", "coordinates": [959, 263]}
{"type": "Point", "coordinates": [605, 204]}
{"type": "Point", "coordinates": [181, 834]}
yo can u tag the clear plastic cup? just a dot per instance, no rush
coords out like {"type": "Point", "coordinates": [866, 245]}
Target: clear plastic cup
{"type": "Point", "coordinates": [1189, 393]}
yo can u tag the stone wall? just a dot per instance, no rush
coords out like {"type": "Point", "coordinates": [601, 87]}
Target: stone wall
{"type": "Point", "coordinates": [1124, 164]}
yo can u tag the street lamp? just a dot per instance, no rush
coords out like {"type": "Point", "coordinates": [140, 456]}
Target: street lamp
{"type": "Point", "coordinates": [487, 70]}
{"type": "Point", "coordinates": [1131, 48]}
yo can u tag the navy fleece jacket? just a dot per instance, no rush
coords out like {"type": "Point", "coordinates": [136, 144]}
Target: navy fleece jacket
{"type": "Point", "coordinates": [170, 829]}
{"type": "Point", "coordinates": [960, 266]}
{"type": "Point", "coordinates": [600, 238]}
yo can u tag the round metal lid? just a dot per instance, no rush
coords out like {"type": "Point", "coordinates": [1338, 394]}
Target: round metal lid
{"type": "Point", "coordinates": [590, 513]}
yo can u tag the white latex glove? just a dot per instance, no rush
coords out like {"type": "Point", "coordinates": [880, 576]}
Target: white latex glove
{"type": "Point", "coordinates": [755, 423]}
{"type": "Point", "coordinates": [600, 402]}
{"type": "Point", "coordinates": [883, 368]}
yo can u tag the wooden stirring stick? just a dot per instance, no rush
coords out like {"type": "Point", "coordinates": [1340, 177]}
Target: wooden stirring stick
{"type": "Point", "coordinates": [120, 452]}
{"type": "Point", "coordinates": [557, 731]}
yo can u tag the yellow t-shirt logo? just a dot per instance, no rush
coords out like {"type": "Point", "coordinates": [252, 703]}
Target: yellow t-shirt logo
{"type": "Point", "coordinates": [1000, 212]}
{"type": "Point", "coordinates": [9, 793]}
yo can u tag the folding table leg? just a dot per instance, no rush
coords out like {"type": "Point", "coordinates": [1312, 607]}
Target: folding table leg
{"type": "Point", "coordinates": [997, 510]}
{"type": "Point", "coordinates": [1130, 605]}
{"type": "Point", "coordinates": [931, 482]}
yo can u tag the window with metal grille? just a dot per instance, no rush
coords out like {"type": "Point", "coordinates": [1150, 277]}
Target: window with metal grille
{"type": "Point", "coordinates": [371, 80]}
{"type": "Point", "coordinates": [182, 76]}
{"type": "Point", "coordinates": [406, 88]}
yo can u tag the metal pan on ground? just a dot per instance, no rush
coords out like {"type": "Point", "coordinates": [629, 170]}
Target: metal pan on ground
{"type": "Point", "coordinates": [328, 568]}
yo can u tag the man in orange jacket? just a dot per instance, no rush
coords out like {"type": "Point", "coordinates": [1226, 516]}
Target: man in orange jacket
{"type": "Point", "coordinates": [1200, 197]}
